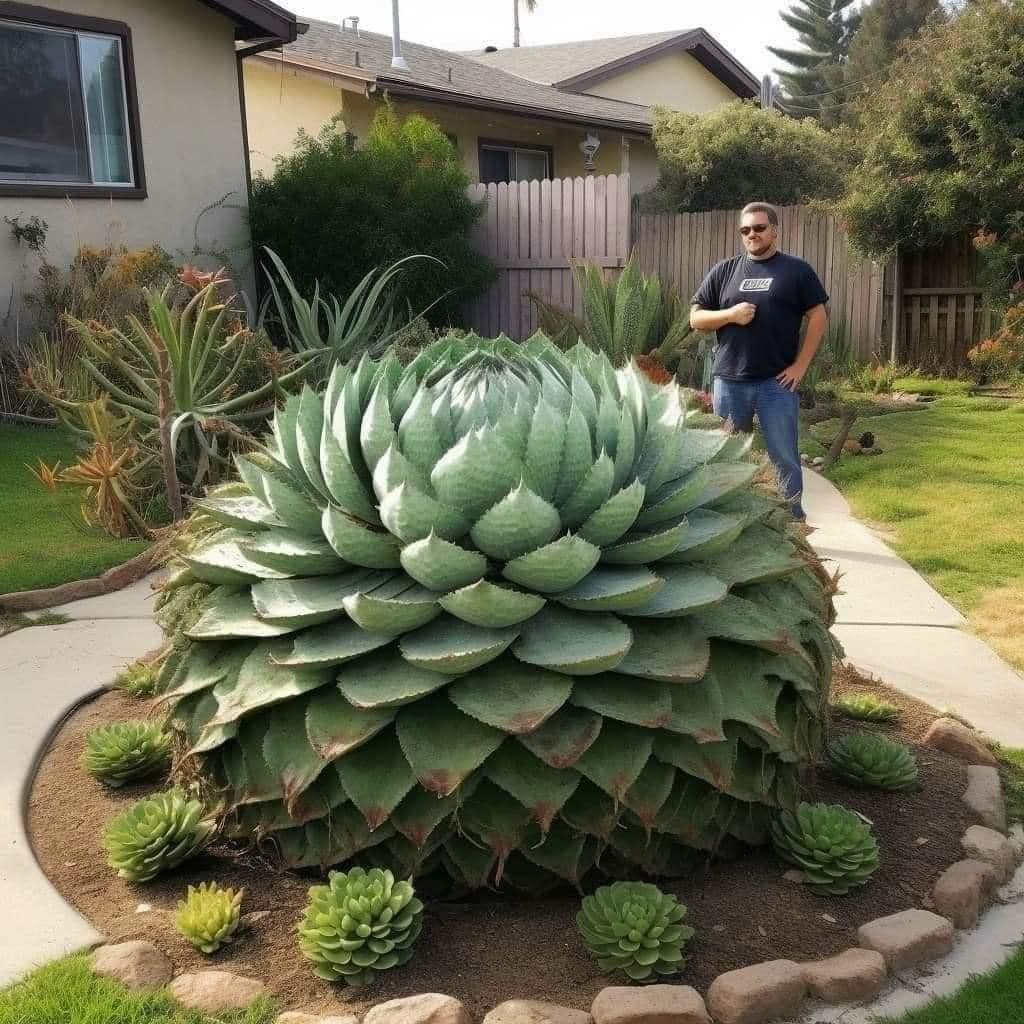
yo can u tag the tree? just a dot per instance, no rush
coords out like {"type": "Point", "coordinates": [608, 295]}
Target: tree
{"type": "Point", "coordinates": [942, 140]}
{"type": "Point", "coordinates": [739, 153]}
{"type": "Point", "coordinates": [531, 6]}
{"type": "Point", "coordinates": [812, 83]}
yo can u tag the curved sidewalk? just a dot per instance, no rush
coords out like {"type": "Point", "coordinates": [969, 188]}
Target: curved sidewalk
{"type": "Point", "coordinates": [46, 671]}
{"type": "Point", "coordinates": [894, 625]}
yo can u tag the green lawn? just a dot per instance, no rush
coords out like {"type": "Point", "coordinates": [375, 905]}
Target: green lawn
{"type": "Point", "coordinates": [66, 992]}
{"type": "Point", "coordinates": [43, 539]}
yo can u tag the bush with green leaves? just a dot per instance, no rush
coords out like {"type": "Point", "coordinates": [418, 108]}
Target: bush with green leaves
{"type": "Point", "coordinates": [360, 924]}
{"type": "Point", "coordinates": [866, 708]}
{"type": "Point", "coordinates": [157, 834]}
{"type": "Point", "coordinates": [209, 915]}
{"type": "Point", "coordinates": [333, 209]}
{"type": "Point", "coordinates": [121, 752]}
{"type": "Point", "coordinates": [833, 847]}
{"type": "Point", "coordinates": [501, 611]}
{"type": "Point", "coordinates": [865, 759]}
{"type": "Point", "coordinates": [635, 928]}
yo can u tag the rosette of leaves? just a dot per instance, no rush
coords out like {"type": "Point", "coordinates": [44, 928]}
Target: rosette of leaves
{"type": "Point", "coordinates": [504, 611]}
{"type": "Point", "coordinates": [360, 924]}
{"type": "Point", "coordinates": [866, 708]}
{"type": "Point", "coordinates": [208, 917]}
{"type": "Point", "coordinates": [864, 759]}
{"type": "Point", "coordinates": [635, 928]}
{"type": "Point", "coordinates": [157, 834]}
{"type": "Point", "coordinates": [121, 752]}
{"type": "Point", "coordinates": [833, 846]}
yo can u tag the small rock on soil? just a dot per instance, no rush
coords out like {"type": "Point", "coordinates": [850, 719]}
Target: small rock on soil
{"type": "Point", "coordinates": [955, 738]}
{"type": "Point", "coordinates": [137, 965]}
{"type": "Point", "coordinates": [984, 796]}
{"type": "Point", "coordinates": [428, 1008]}
{"type": "Point", "coordinates": [981, 843]}
{"type": "Point", "coordinates": [907, 939]}
{"type": "Point", "coordinates": [854, 976]}
{"type": "Point", "coordinates": [653, 1004]}
{"type": "Point", "coordinates": [532, 1011]}
{"type": "Point", "coordinates": [216, 991]}
{"type": "Point", "coordinates": [755, 994]}
{"type": "Point", "coordinates": [963, 890]}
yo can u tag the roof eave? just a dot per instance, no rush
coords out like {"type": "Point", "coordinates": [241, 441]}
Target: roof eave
{"type": "Point", "coordinates": [258, 19]}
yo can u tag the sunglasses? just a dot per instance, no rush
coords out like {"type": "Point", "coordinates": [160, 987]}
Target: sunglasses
{"type": "Point", "coordinates": [753, 229]}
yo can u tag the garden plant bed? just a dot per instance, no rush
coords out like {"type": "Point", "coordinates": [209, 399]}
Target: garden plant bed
{"type": "Point", "coordinates": [495, 948]}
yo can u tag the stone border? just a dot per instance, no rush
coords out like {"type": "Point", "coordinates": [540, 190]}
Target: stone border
{"type": "Point", "coordinates": [750, 995]}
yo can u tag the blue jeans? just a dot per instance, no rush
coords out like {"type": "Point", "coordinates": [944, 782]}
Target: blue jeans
{"type": "Point", "coordinates": [778, 412]}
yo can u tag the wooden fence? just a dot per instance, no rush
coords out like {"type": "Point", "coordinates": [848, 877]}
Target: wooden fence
{"type": "Point", "coordinates": [534, 232]}
{"type": "Point", "coordinates": [681, 248]}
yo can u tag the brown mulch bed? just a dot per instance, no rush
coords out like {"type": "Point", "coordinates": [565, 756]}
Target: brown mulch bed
{"type": "Point", "coordinates": [489, 951]}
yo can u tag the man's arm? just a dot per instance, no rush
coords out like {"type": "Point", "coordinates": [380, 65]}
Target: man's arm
{"type": "Point", "coordinates": [711, 319]}
{"type": "Point", "coordinates": [817, 322]}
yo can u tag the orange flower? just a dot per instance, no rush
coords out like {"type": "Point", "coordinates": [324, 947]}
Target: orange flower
{"type": "Point", "coordinates": [654, 369]}
{"type": "Point", "coordinates": [197, 280]}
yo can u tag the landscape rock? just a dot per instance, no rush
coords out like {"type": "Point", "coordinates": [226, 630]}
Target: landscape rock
{"type": "Point", "coordinates": [755, 994]}
{"type": "Point", "coordinates": [908, 938]}
{"type": "Point", "coordinates": [953, 737]}
{"type": "Point", "coordinates": [298, 1017]}
{"type": "Point", "coordinates": [137, 964]}
{"type": "Point", "coordinates": [532, 1011]}
{"type": "Point", "coordinates": [852, 447]}
{"type": "Point", "coordinates": [795, 876]}
{"type": "Point", "coordinates": [963, 890]}
{"type": "Point", "coordinates": [818, 460]}
{"type": "Point", "coordinates": [984, 796]}
{"type": "Point", "coordinates": [981, 843]}
{"type": "Point", "coordinates": [853, 976]}
{"type": "Point", "coordinates": [216, 991]}
{"type": "Point", "coordinates": [652, 1004]}
{"type": "Point", "coordinates": [428, 1008]}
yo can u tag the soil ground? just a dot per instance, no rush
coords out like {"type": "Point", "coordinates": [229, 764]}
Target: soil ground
{"type": "Point", "coordinates": [491, 950]}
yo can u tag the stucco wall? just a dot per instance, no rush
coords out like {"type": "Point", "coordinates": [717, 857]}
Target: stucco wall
{"type": "Point", "coordinates": [673, 80]}
{"type": "Point", "coordinates": [191, 143]}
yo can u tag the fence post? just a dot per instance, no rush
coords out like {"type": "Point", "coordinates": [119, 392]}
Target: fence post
{"type": "Point", "coordinates": [897, 308]}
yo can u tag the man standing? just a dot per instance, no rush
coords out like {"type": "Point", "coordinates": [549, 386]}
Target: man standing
{"type": "Point", "coordinates": [756, 303]}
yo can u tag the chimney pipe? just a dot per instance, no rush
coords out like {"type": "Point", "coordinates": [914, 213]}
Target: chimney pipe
{"type": "Point", "coordinates": [398, 62]}
{"type": "Point", "coordinates": [354, 19]}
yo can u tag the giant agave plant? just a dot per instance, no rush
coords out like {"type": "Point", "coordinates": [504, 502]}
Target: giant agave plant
{"type": "Point", "coordinates": [500, 610]}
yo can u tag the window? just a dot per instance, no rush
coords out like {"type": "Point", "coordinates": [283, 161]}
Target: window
{"type": "Point", "coordinates": [505, 161]}
{"type": "Point", "coordinates": [68, 121]}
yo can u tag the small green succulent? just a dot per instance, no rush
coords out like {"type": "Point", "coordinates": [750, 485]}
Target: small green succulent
{"type": "Point", "coordinates": [866, 708]}
{"type": "Point", "coordinates": [208, 917]}
{"type": "Point", "coordinates": [833, 846]}
{"type": "Point", "coordinates": [138, 680]}
{"type": "Point", "coordinates": [864, 759]}
{"type": "Point", "coordinates": [635, 928]}
{"type": "Point", "coordinates": [121, 752]}
{"type": "Point", "coordinates": [360, 923]}
{"type": "Point", "coordinates": [157, 834]}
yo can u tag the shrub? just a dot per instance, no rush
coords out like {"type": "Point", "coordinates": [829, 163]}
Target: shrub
{"type": "Point", "coordinates": [333, 211]}
{"type": "Point", "coordinates": [635, 928]}
{"type": "Point", "coordinates": [122, 752]}
{"type": "Point", "coordinates": [866, 707]}
{"type": "Point", "coordinates": [1001, 357]}
{"type": "Point", "coordinates": [208, 917]}
{"type": "Point", "coordinates": [360, 924]}
{"type": "Point", "coordinates": [864, 759]}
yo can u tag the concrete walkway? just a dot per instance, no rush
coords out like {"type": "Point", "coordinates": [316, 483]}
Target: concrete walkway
{"type": "Point", "coordinates": [46, 671]}
{"type": "Point", "coordinates": [894, 625]}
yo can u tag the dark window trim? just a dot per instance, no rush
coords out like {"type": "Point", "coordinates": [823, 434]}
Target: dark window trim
{"type": "Point", "coordinates": [31, 14]}
{"type": "Point", "coordinates": [537, 147]}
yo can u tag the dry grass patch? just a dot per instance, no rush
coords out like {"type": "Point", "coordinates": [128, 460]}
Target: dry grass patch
{"type": "Point", "coordinates": [998, 619]}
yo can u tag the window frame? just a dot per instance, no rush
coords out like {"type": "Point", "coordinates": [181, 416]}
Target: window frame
{"type": "Point", "coordinates": [528, 147]}
{"type": "Point", "coordinates": [44, 17]}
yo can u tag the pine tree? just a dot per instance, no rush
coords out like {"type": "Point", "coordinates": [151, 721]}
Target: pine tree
{"type": "Point", "coordinates": [825, 30]}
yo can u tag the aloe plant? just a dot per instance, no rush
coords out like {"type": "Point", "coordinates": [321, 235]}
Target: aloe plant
{"type": "Point", "coordinates": [209, 915]}
{"type": "Point", "coordinates": [866, 708]}
{"type": "Point", "coordinates": [500, 610]}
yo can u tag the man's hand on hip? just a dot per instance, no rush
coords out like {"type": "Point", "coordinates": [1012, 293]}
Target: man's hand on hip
{"type": "Point", "coordinates": [742, 313]}
{"type": "Point", "coordinates": [791, 376]}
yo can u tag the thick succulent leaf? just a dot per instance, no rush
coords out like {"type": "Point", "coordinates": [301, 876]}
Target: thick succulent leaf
{"type": "Point", "coordinates": [358, 542]}
{"type": "Point", "coordinates": [541, 789]}
{"type": "Point", "coordinates": [698, 710]}
{"type": "Point", "coordinates": [335, 727]}
{"type": "Point", "coordinates": [637, 547]}
{"type": "Point", "coordinates": [318, 800]}
{"type": "Point", "coordinates": [243, 511]}
{"type": "Point", "coordinates": [672, 500]}
{"type": "Point", "coordinates": [204, 667]}
{"type": "Point", "coordinates": [594, 490]}
{"type": "Point", "coordinates": [689, 811]}
{"type": "Point", "coordinates": [288, 752]}
{"type": "Point", "coordinates": [376, 777]}
{"type": "Point", "coordinates": [708, 534]}
{"type": "Point", "coordinates": [590, 810]}
{"type": "Point", "coordinates": [306, 602]}
{"type": "Point", "coordinates": [377, 430]}
{"type": "Point", "coordinates": [577, 456]}
{"type": "Point", "coordinates": [228, 613]}
{"type": "Point", "coordinates": [614, 761]}
{"type": "Point", "coordinates": [613, 589]}
{"type": "Point", "coordinates": [610, 521]}
{"type": "Point", "coordinates": [648, 704]}
{"type": "Point", "coordinates": [290, 504]}
{"type": "Point", "coordinates": [701, 446]}
{"type": "Point", "coordinates": [562, 852]}
{"type": "Point", "coordinates": [260, 783]}
{"type": "Point", "coordinates": [476, 472]}
{"type": "Point", "coordinates": [452, 646]}
{"type": "Point", "coordinates": [669, 652]}
{"type": "Point", "coordinates": [309, 428]}
{"type": "Point", "coordinates": [345, 486]}
{"type": "Point", "coordinates": [573, 642]}
{"type": "Point", "coordinates": [511, 696]}
{"type": "Point", "coordinates": [395, 607]}
{"type": "Point", "coordinates": [563, 739]}
{"type": "Point", "coordinates": [294, 553]}
{"type": "Point", "coordinates": [748, 695]}
{"type": "Point", "coordinates": [420, 813]}
{"type": "Point", "coordinates": [760, 554]}
{"type": "Point", "coordinates": [488, 604]}
{"type": "Point", "coordinates": [385, 680]}
{"type": "Point", "coordinates": [522, 521]}
{"type": "Point", "coordinates": [721, 481]}
{"type": "Point", "coordinates": [411, 514]}
{"type": "Point", "coordinates": [493, 818]}
{"type": "Point", "coordinates": [544, 450]}
{"type": "Point", "coordinates": [418, 433]}
{"type": "Point", "coordinates": [473, 864]}
{"type": "Point", "coordinates": [331, 644]}
{"type": "Point", "coordinates": [715, 763]}
{"type": "Point", "coordinates": [747, 623]}
{"type": "Point", "coordinates": [686, 590]}
{"type": "Point", "coordinates": [393, 470]}
{"type": "Point", "coordinates": [556, 566]}
{"type": "Point", "coordinates": [223, 560]}
{"type": "Point", "coordinates": [625, 448]}
{"type": "Point", "coordinates": [753, 776]}
{"type": "Point", "coordinates": [646, 797]}
{"type": "Point", "coordinates": [443, 745]}
{"type": "Point", "coordinates": [442, 566]}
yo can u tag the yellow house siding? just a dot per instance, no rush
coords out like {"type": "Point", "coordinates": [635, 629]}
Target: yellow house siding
{"type": "Point", "coordinates": [673, 80]}
{"type": "Point", "coordinates": [191, 130]}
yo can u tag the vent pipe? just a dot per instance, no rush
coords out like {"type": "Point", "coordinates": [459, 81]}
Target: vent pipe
{"type": "Point", "coordinates": [398, 62]}
{"type": "Point", "coordinates": [354, 19]}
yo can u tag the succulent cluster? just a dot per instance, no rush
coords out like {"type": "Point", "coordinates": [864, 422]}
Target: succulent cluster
{"type": "Point", "coordinates": [138, 680]}
{"type": "Point", "coordinates": [121, 752]}
{"type": "Point", "coordinates": [157, 834]}
{"type": "Point", "coordinates": [635, 928]}
{"type": "Point", "coordinates": [502, 611]}
{"type": "Point", "coordinates": [866, 708]}
{"type": "Point", "coordinates": [208, 917]}
{"type": "Point", "coordinates": [864, 759]}
{"type": "Point", "coordinates": [833, 846]}
{"type": "Point", "coordinates": [359, 924]}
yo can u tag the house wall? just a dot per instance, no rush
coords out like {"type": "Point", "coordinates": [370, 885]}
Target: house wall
{"type": "Point", "coordinates": [674, 80]}
{"type": "Point", "coordinates": [191, 130]}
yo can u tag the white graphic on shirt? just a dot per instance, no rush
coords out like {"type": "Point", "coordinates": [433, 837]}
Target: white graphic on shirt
{"type": "Point", "coordinates": [756, 284]}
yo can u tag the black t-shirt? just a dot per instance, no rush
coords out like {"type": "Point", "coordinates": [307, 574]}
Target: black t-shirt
{"type": "Point", "coordinates": [783, 288]}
